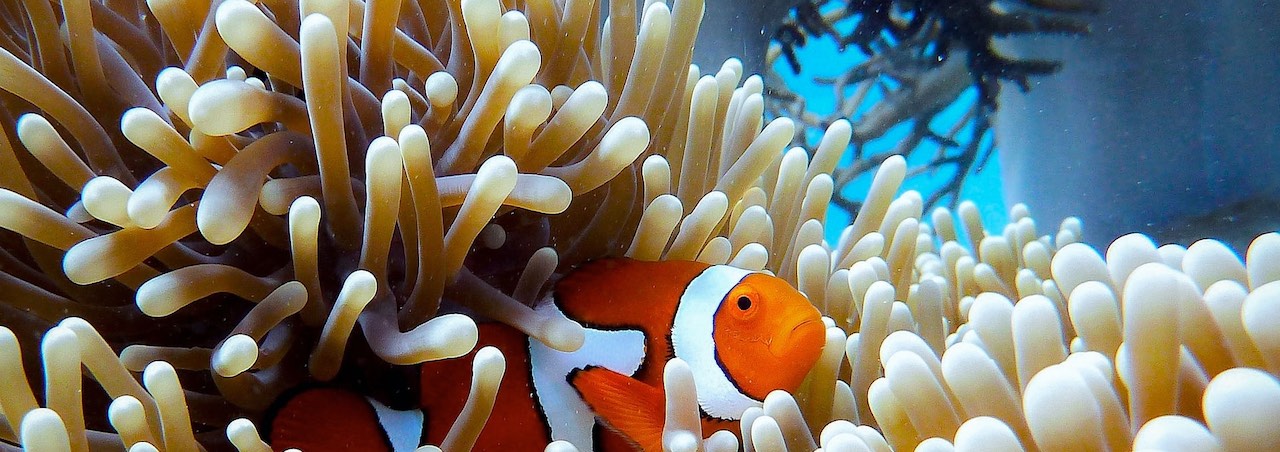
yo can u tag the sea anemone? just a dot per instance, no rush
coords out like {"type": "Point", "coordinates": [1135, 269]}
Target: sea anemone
{"type": "Point", "coordinates": [210, 203]}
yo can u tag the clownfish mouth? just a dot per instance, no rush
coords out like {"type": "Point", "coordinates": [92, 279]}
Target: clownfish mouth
{"type": "Point", "coordinates": [805, 338]}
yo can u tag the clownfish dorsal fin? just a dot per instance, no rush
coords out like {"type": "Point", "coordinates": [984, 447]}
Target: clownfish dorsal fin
{"type": "Point", "coordinates": [627, 405]}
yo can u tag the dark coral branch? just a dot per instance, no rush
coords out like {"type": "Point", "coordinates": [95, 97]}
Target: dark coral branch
{"type": "Point", "coordinates": [970, 25]}
{"type": "Point", "coordinates": [919, 58]}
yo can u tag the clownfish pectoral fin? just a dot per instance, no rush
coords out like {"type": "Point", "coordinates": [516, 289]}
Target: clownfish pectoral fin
{"type": "Point", "coordinates": [627, 405]}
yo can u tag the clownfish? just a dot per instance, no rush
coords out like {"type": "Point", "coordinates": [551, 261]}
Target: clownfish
{"type": "Point", "coordinates": [743, 334]}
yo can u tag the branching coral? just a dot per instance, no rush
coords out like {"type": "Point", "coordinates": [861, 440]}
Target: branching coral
{"type": "Point", "coordinates": [931, 67]}
{"type": "Point", "coordinates": [935, 27]}
{"type": "Point", "coordinates": [208, 203]}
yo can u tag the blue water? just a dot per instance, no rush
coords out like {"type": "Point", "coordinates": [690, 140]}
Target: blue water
{"type": "Point", "coordinates": [821, 58]}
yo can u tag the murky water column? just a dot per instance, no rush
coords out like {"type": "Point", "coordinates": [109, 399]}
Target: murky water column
{"type": "Point", "coordinates": [1166, 120]}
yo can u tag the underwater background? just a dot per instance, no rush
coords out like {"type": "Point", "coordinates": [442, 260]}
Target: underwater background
{"type": "Point", "coordinates": [1161, 120]}
{"type": "Point", "coordinates": [825, 60]}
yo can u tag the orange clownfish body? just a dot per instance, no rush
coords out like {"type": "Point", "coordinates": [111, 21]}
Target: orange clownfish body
{"type": "Point", "coordinates": [743, 334]}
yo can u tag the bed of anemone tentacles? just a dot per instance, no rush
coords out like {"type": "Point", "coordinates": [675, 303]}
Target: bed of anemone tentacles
{"type": "Point", "coordinates": [206, 203]}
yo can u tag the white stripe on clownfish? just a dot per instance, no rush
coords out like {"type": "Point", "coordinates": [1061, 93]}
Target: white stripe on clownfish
{"type": "Point", "coordinates": [623, 351]}
{"type": "Point", "coordinates": [693, 341]}
{"type": "Point", "coordinates": [567, 415]}
{"type": "Point", "coordinates": [403, 428]}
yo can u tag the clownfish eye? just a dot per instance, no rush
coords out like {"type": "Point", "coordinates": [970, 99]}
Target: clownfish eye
{"type": "Point", "coordinates": [744, 303]}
